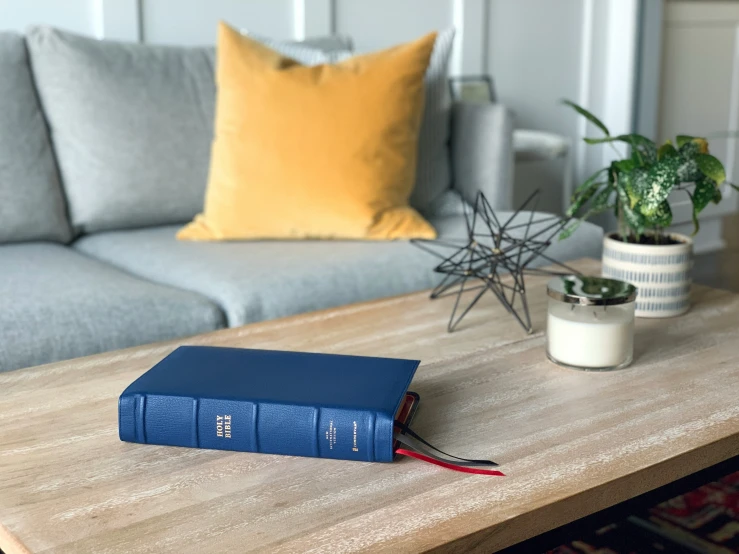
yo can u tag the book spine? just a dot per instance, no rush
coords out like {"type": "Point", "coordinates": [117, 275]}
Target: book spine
{"type": "Point", "coordinates": [264, 427]}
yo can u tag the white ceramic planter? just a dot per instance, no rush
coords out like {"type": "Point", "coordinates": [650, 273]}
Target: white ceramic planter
{"type": "Point", "coordinates": [661, 274]}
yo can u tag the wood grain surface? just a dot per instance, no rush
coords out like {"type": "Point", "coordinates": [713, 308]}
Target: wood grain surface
{"type": "Point", "coordinates": [570, 442]}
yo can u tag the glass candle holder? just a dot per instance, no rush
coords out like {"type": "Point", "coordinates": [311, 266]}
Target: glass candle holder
{"type": "Point", "coordinates": [590, 324]}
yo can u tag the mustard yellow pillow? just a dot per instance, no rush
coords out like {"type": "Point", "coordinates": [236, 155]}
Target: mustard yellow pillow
{"type": "Point", "coordinates": [314, 152]}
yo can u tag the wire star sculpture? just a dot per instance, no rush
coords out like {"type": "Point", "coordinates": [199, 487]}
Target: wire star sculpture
{"type": "Point", "coordinates": [493, 250]}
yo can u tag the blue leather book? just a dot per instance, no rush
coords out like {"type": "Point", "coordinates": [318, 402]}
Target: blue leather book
{"type": "Point", "coordinates": [291, 403]}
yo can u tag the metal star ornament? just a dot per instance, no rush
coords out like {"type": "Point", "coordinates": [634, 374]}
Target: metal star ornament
{"type": "Point", "coordinates": [492, 250]}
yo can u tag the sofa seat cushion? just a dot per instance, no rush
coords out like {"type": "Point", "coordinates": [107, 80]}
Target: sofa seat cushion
{"type": "Point", "coordinates": [56, 303]}
{"type": "Point", "coordinates": [252, 281]}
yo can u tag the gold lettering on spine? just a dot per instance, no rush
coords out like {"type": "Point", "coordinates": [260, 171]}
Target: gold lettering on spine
{"type": "Point", "coordinates": [223, 426]}
{"type": "Point", "coordinates": [331, 435]}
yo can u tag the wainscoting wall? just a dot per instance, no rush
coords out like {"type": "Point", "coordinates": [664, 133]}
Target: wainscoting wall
{"type": "Point", "coordinates": [537, 51]}
{"type": "Point", "coordinates": [699, 95]}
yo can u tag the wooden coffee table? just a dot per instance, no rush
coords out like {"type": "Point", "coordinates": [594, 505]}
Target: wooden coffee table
{"type": "Point", "coordinates": [571, 442]}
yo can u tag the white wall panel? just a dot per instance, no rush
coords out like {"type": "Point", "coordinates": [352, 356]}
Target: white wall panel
{"type": "Point", "coordinates": [700, 88]}
{"type": "Point", "coordinates": [79, 16]}
{"type": "Point", "coordinates": [312, 18]}
{"type": "Point", "coordinates": [382, 23]}
{"type": "Point", "coordinates": [194, 22]}
{"type": "Point", "coordinates": [118, 20]}
{"type": "Point", "coordinates": [470, 53]}
{"type": "Point", "coordinates": [534, 58]}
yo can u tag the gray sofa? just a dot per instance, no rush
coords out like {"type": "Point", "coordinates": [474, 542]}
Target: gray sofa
{"type": "Point", "coordinates": [104, 155]}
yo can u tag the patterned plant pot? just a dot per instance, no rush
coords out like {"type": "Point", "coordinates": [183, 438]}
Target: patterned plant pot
{"type": "Point", "coordinates": [661, 273]}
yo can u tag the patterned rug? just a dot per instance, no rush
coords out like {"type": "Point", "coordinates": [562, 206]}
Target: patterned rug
{"type": "Point", "coordinates": [703, 520]}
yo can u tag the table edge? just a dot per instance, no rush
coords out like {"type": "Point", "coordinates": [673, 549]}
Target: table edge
{"type": "Point", "coordinates": [508, 533]}
{"type": "Point", "coordinates": [10, 544]}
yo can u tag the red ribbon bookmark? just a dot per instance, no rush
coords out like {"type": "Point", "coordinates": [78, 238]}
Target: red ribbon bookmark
{"type": "Point", "coordinates": [447, 465]}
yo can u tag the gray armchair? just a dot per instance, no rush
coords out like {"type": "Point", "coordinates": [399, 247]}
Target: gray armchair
{"type": "Point", "coordinates": [482, 153]}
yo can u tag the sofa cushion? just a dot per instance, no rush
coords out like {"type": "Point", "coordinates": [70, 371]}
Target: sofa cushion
{"type": "Point", "coordinates": [31, 202]}
{"type": "Point", "coordinates": [433, 167]}
{"type": "Point", "coordinates": [282, 161]}
{"type": "Point", "coordinates": [311, 51]}
{"type": "Point", "coordinates": [433, 170]}
{"type": "Point", "coordinates": [259, 280]}
{"type": "Point", "coordinates": [56, 303]}
{"type": "Point", "coordinates": [131, 124]}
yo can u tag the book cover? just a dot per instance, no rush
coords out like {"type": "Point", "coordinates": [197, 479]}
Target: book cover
{"type": "Point", "coordinates": [274, 402]}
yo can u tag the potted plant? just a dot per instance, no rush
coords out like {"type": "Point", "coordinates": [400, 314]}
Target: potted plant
{"type": "Point", "coordinates": [636, 188]}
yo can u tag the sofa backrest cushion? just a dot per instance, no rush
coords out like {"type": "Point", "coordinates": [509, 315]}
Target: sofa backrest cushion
{"type": "Point", "coordinates": [131, 124]}
{"type": "Point", "coordinates": [31, 200]}
{"type": "Point", "coordinates": [433, 172]}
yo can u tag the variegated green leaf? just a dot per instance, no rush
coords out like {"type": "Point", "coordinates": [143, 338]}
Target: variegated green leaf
{"type": "Point", "coordinates": [667, 149]}
{"type": "Point", "coordinates": [711, 167]}
{"type": "Point", "coordinates": [597, 210]}
{"type": "Point", "coordinates": [582, 198]}
{"type": "Point", "coordinates": [645, 151]}
{"type": "Point", "coordinates": [587, 183]}
{"type": "Point", "coordinates": [682, 140]}
{"type": "Point", "coordinates": [591, 140]}
{"type": "Point", "coordinates": [601, 201]}
{"type": "Point", "coordinates": [625, 165]}
{"type": "Point", "coordinates": [632, 139]}
{"type": "Point", "coordinates": [688, 171]}
{"type": "Point", "coordinates": [690, 146]}
{"type": "Point", "coordinates": [599, 205]}
{"type": "Point", "coordinates": [571, 228]}
{"type": "Point", "coordinates": [662, 178]}
{"type": "Point", "coordinates": [662, 217]}
{"type": "Point", "coordinates": [632, 217]}
{"type": "Point", "coordinates": [649, 155]}
{"type": "Point", "coordinates": [634, 183]}
{"type": "Point", "coordinates": [626, 183]}
{"type": "Point", "coordinates": [696, 223]}
{"type": "Point", "coordinates": [587, 115]}
{"type": "Point", "coordinates": [702, 145]}
{"type": "Point", "coordinates": [641, 180]}
{"type": "Point", "coordinates": [704, 193]}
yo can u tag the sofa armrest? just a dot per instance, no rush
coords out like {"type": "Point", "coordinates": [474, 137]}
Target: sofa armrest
{"type": "Point", "coordinates": [482, 153]}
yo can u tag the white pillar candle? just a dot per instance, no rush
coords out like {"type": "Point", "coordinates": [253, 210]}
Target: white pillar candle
{"type": "Point", "coordinates": [591, 322]}
{"type": "Point", "coordinates": [593, 337]}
